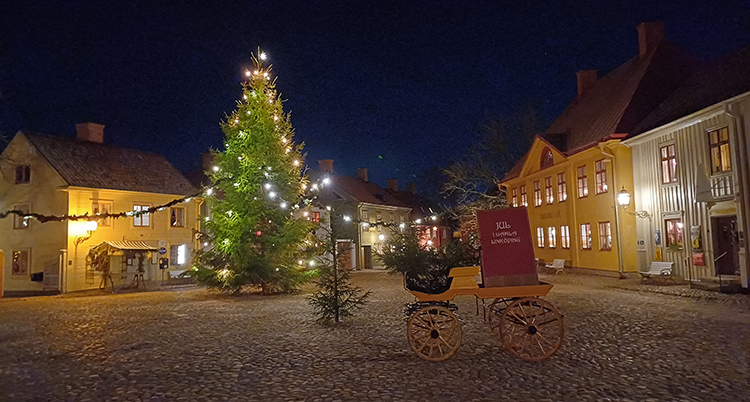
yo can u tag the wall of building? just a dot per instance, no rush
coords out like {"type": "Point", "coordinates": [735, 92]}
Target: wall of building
{"type": "Point", "coordinates": [44, 194]}
{"type": "Point", "coordinates": [370, 235]}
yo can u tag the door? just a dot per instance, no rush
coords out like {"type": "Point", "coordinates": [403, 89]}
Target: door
{"type": "Point", "coordinates": [726, 246]}
{"type": "Point", "coordinates": [368, 256]}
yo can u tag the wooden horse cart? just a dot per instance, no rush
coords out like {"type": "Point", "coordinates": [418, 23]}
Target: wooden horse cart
{"type": "Point", "coordinates": [528, 326]}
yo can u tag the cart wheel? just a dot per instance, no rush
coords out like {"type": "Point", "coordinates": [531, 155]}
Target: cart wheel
{"type": "Point", "coordinates": [434, 333]}
{"type": "Point", "coordinates": [530, 328]}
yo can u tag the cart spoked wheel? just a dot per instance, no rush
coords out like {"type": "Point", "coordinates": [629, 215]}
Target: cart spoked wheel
{"type": "Point", "coordinates": [530, 328]}
{"type": "Point", "coordinates": [434, 333]}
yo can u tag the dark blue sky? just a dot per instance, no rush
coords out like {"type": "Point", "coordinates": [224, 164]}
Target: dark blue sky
{"type": "Point", "coordinates": [405, 80]}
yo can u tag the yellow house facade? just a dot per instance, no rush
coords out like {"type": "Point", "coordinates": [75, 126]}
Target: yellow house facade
{"type": "Point", "coordinates": [56, 176]}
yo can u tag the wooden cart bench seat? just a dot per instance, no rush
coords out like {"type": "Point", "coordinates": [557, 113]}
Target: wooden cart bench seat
{"type": "Point", "coordinates": [464, 284]}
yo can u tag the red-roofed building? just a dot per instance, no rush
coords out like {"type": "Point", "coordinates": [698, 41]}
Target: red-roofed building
{"type": "Point", "coordinates": [570, 177]}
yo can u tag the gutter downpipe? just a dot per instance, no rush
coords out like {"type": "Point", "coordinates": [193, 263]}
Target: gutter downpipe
{"type": "Point", "coordinates": [617, 209]}
{"type": "Point", "coordinates": [744, 190]}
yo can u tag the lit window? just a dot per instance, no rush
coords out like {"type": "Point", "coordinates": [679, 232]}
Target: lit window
{"type": "Point", "coordinates": [315, 216]}
{"type": "Point", "coordinates": [605, 236]}
{"type": "Point", "coordinates": [20, 262]}
{"type": "Point", "coordinates": [102, 207]}
{"type": "Point", "coordinates": [674, 233]}
{"type": "Point", "coordinates": [365, 221]}
{"type": "Point", "coordinates": [583, 184]}
{"type": "Point", "coordinates": [177, 217]}
{"type": "Point", "coordinates": [178, 254]}
{"type": "Point", "coordinates": [20, 222]}
{"type": "Point", "coordinates": [379, 221]}
{"type": "Point", "coordinates": [552, 237]}
{"type": "Point", "coordinates": [719, 148]}
{"type": "Point", "coordinates": [586, 236]}
{"type": "Point", "coordinates": [548, 192]}
{"type": "Point", "coordinates": [514, 199]}
{"type": "Point", "coordinates": [537, 194]}
{"type": "Point", "coordinates": [524, 200]}
{"type": "Point", "coordinates": [23, 174]}
{"type": "Point", "coordinates": [668, 164]}
{"type": "Point", "coordinates": [564, 236]}
{"type": "Point", "coordinates": [143, 219]}
{"type": "Point", "coordinates": [540, 237]}
{"type": "Point", "coordinates": [562, 189]}
{"type": "Point", "coordinates": [601, 177]}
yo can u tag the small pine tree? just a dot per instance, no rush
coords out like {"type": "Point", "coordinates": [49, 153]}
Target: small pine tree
{"type": "Point", "coordinates": [335, 297]}
{"type": "Point", "coordinates": [254, 237]}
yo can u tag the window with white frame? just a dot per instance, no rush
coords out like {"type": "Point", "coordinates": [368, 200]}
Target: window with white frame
{"type": "Point", "coordinates": [601, 176]}
{"type": "Point", "coordinates": [524, 199]}
{"type": "Point", "coordinates": [23, 174]}
{"type": "Point", "coordinates": [605, 236]}
{"type": "Point", "coordinates": [674, 233]}
{"type": "Point", "coordinates": [365, 221]}
{"type": "Point", "coordinates": [586, 236]}
{"type": "Point", "coordinates": [540, 237]}
{"type": "Point", "coordinates": [537, 194]}
{"type": "Point", "coordinates": [549, 193]}
{"type": "Point", "coordinates": [562, 189]}
{"type": "Point", "coordinates": [551, 237]}
{"type": "Point", "coordinates": [514, 198]}
{"type": "Point", "coordinates": [565, 236]}
{"type": "Point", "coordinates": [21, 261]}
{"type": "Point", "coordinates": [668, 164]}
{"type": "Point", "coordinates": [177, 217]}
{"type": "Point", "coordinates": [102, 207]}
{"type": "Point", "coordinates": [178, 254]}
{"type": "Point", "coordinates": [718, 142]}
{"type": "Point", "coordinates": [583, 183]}
{"type": "Point", "coordinates": [141, 219]}
{"type": "Point", "coordinates": [21, 222]}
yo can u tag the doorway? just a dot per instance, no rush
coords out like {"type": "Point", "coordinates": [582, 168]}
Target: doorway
{"type": "Point", "coordinates": [726, 245]}
{"type": "Point", "coordinates": [367, 250]}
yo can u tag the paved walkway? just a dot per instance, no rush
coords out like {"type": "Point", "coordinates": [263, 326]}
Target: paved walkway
{"type": "Point", "coordinates": [193, 345]}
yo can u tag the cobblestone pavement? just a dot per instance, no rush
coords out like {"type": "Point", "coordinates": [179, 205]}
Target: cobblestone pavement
{"type": "Point", "coordinates": [194, 345]}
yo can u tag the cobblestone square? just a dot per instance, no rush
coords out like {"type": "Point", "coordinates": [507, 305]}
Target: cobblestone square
{"type": "Point", "coordinates": [193, 345]}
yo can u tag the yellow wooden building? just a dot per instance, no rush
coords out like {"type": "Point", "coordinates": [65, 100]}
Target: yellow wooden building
{"type": "Point", "coordinates": [57, 176]}
{"type": "Point", "coordinates": [570, 178]}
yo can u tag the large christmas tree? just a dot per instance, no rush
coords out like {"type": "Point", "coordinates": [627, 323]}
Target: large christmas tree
{"type": "Point", "coordinates": [253, 237]}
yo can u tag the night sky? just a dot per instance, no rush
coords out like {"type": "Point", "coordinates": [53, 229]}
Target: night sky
{"type": "Point", "coordinates": [394, 86]}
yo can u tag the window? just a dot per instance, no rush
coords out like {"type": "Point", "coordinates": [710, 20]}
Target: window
{"type": "Point", "coordinates": [583, 184]}
{"type": "Point", "coordinates": [365, 221]}
{"type": "Point", "coordinates": [20, 222]}
{"type": "Point", "coordinates": [537, 194]}
{"type": "Point", "coordinates": [540, 237]}
{"type": "Point", "coordinates": [403, 218]}
{"type": "Point", "coordinates": [605, 236]}
{"type": "Point", "coordinates": [391, 219]}
{"type": "Point", "coordinates": [585, 236]}
{"type": "Point", "coordinates": [524, 201]}
{"type": "Point", "coordinates": [552, 237]}
{"type": "Point", "coordinates": [142, 220]}
{"type": "Point", "coordinates": [562, 189]}
{"type": "Point", "coordinates": [549, 193]}
{"type": "Point", "coordinates": [177, 217]}
{"type": "Point", "coordinates": [668, 164]}
{"type": "Point", "coordinates": [674, 233]}
{"type": "Point", "coordinates": [23, 174]}
{"type": "Point", "coordinates": [515, 197]}
{"type": "Point", "coordinates": [719, 148]}
{"type": "Point", "coordinates": [102, 207]}
{"type": "Point", "coordinates": [547, 159]}
{"type": "Point", "coordinates": [20, 262]}
{"type": "Point", "coordinates": [601, 177]}
{"type": "Point", "coordinates": [379, 220]}
{"type": "Point", "coordinates": [565, 236]}
{"type": "Point", "coordinates": [315, 216]}
{"type": "Point", "coordinates": [178, 254]}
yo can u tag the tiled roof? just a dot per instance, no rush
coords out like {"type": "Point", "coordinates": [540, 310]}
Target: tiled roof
{"type": "Point", "coordinates": [624, 97]}
{"type": "Point", "coordinates": [95, 165]}
{"type": "Point", "coordinates": [360, 190]}
{"type": "Point", "coordinates": [420, 207]}
{"type": "Point", "coordinates": [720, 80]}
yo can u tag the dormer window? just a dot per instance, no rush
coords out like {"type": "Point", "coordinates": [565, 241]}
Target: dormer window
{"type": "Point", "coordinates": [23, 174]}
{"type": "Point", "coordinates": [547, 159]}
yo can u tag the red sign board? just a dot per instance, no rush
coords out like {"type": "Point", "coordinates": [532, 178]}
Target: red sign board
{"type": "Point", "coordinates": [507, 250]}
{"type": "Point", "coordinates": [699, 259]}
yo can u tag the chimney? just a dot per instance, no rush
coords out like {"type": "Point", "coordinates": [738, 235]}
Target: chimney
{"type": "Point", "coordinates": [412, 188]}
{"type": "Point", "coordinates": [91, 132]}
{"type": "Point", "coordinates": [208, 161]}
{"type": "Point", "coordinates": [586, 81]}
{"type": "Point", "coordinates": [362, 174]}
{"type": "Point", "coordinates": [393, 184]}
{"type": "Point", "coordinates": [325, 165]}
{"type": "Point", "coordinates": [650, 34]}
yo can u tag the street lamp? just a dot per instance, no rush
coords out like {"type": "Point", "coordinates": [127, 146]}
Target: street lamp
{"type": "Point", "coordinates": [89, 227]}
{"type": "Point", "coordinates": [623, 198]}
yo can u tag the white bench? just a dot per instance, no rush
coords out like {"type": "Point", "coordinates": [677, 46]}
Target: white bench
{"type": "Point", "coordinates": [659, 269]}
{"type": "Point", "coordinates": [558, 265]}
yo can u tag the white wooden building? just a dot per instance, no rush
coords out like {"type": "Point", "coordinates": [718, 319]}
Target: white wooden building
{"type": "Point", "coordinates": [692, 177]}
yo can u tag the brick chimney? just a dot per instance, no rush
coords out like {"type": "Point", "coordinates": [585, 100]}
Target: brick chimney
{"type": "Point", "coordinates": [586, 81]}
{"type": "Point", "coordinates": [650, 34]}
{"type": "Point", "coordinates": [325, 165]}
{"type": "Point", "coordinates": [362, 174]}
{"type": "Point", "coordinates": [208, 161]}
{"type": "Point", "coordinates": [393, 184]}
{"type": "Point", "coordinates": [91, 132]}
{"type": "Point", "coordinates": [412, 188]}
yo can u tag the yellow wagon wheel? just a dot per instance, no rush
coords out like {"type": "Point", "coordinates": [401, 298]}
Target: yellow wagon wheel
{"type": "Point", "coordinates": [434, 333]}
{"type": "Point", "coordinates": [530, 328]}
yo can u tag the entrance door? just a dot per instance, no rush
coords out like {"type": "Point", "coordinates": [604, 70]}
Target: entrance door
{"type": "Point", "coordinates": [368, 256]}
{"type": "Point", "coordinates": [726, 246]}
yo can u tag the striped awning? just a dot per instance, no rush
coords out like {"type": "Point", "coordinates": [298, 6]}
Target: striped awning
{"type": "Point", "coordinates": [131, 245]}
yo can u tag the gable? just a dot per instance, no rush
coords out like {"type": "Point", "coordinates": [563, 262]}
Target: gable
{"type": "Point", "coordinates": [540, 152]}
